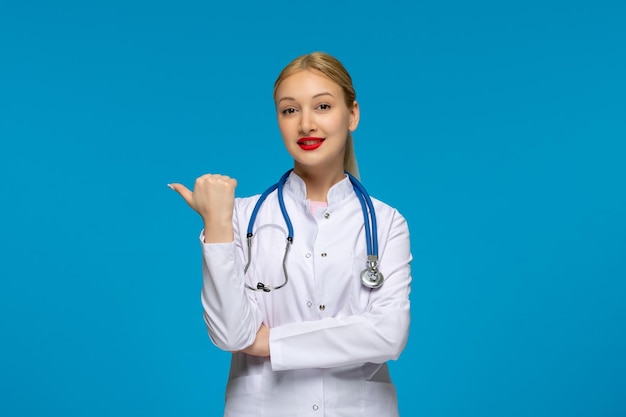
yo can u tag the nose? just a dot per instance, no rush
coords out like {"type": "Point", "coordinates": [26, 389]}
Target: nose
{"type": "Point", "coordinates": [307, 122]}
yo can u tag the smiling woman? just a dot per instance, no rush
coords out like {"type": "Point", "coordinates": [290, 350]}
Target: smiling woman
{"type": "Point", "coordinates": [310, 328]}
{"type": "Point", "coordinates": [312, 110]}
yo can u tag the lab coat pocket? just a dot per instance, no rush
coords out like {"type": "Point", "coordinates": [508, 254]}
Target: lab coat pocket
{"type": "Point", "coordinates": [267, 253]}
{"type": "Point", "coordinates": [243, 396]}
{"type": "Point", "coordinates": [359, 294]}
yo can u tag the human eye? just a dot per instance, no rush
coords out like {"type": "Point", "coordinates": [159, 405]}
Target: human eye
{"type": "Point", "coordinates": [288, 111]}
{"type": "Point", "coordinates": [323, 106]}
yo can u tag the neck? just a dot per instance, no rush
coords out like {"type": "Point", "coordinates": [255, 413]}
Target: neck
{"type": "Point", "coordinates": [319, 181]}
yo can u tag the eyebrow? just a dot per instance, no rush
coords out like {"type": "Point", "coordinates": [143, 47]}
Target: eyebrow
{"type": "Point", "coordinates": [315, 96]}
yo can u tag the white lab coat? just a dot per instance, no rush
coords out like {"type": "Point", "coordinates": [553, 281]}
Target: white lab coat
{"type": "Point", "coordinates": [330, 336]}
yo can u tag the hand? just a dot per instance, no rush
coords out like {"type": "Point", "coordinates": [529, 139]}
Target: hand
{"type": "Point", "coordinates": [213, 198]}
{"type": "Point", "coordinates": [261, 345]}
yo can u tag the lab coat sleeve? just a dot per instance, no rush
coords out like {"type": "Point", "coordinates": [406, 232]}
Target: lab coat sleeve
{"type": "Point", "coordinates": [377, 335]}
{"type": "Point", "coordinates": [231, 313]}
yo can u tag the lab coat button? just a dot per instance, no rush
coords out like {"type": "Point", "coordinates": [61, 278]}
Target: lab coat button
{"type": "Point", "coordinates": [315, 407]}
{"type": "Point", "coordinates": [322, 307]}
{"type": "Point", "coordinates": [324, 255]}
{"type": "Point", "coordinates": [308, 255]}
{"type": "Point", "coordinates": [326, 215]}
{"type": "Point", "coordinates": [309, 304]}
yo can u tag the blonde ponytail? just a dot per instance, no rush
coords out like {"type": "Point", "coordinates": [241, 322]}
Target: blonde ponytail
{"type": "Point", "coordinates": [349, 160]}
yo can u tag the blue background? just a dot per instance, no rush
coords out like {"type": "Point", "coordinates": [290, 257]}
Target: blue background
{"type": "Point", "coordinates": [497, 128]}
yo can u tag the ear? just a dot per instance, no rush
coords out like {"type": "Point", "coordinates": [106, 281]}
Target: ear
{"type": "Point", "coordinates": [354, 116]}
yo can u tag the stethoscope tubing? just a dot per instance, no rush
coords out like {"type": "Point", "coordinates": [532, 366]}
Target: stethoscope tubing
{"type": "Point", "coordinates": [371, 229]}
{"type": "Point", "coordinates": [370, 277]}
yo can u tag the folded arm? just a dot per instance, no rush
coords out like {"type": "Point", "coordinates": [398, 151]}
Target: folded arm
{"type": "Point", "coordinates": [377, 335]}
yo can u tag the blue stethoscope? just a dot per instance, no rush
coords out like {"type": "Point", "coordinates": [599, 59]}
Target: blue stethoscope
{"type": "Point", "coordinates": [370, 277]}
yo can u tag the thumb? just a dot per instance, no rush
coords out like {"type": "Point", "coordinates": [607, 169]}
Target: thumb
{"type": "Point", "coordinates": [184, 192]}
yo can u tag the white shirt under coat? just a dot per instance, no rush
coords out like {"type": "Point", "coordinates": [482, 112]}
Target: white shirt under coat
{"type": "Point", "coordinates": [330, 336]}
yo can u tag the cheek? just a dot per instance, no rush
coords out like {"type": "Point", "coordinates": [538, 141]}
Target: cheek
{"type": "Point", "coordinates": [284, 130]}
{"type": "Point", "coordinates": [285, 124]}
{"type": "Point", "coordinates": [340, 124]}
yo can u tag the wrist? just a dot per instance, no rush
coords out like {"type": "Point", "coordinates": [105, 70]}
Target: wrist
{"type": "Point", "coordinates": [215, 233]}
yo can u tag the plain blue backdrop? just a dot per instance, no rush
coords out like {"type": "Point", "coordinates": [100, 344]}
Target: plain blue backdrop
{"type": "Point", "coordinates": [497, 128]}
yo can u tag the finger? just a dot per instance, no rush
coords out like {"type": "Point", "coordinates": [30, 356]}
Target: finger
{"type": "Point", "coordinates": [184, 192]}
{"type": "Point", "coordinates": [217, 179]}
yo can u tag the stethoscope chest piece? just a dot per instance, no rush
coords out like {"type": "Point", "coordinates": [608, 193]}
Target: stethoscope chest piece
{"type": "Point", "coordinates": [371, 277]}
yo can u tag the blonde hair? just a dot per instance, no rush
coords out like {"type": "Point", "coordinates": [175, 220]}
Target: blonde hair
{"type": "Point", "coordinates": [336, 72]}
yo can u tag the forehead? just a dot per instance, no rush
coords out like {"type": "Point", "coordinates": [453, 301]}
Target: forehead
{"type": "Point", "coordinates": [307, 83]}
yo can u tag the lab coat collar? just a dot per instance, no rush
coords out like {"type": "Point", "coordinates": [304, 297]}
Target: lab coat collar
{"type": "Point", "coordinates": [336, 195]}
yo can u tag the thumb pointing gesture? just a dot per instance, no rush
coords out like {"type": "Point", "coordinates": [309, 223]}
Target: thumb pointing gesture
{"type": "Point", "coordinates": [213, 198]}
{"type": "Point", "coordinates": [184, 192]}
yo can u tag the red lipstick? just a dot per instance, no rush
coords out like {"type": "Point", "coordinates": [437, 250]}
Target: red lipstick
{"type": "Point", "coordinates": [310, 143]}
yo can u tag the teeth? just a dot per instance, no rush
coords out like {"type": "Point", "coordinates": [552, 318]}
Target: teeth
{"type": "Point", "coordinates": [309, 142]}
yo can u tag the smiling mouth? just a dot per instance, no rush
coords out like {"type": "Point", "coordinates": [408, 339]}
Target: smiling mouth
{"type": "Point", "coordinates": [309, 144]}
